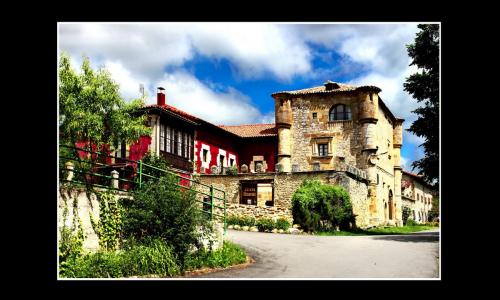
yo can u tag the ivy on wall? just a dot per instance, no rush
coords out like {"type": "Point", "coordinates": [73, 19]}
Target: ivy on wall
{"type": "Point", "coordinates": [109, 226]}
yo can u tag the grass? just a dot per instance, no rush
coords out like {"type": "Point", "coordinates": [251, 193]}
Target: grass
{"type": "Point", "coordinates": [154, 260]}
{"type": "Point", "coordinates": [379, 231]}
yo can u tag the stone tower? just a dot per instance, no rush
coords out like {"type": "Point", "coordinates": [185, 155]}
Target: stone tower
{"type": "Point", "coordinates": [397, 143]}
{"type": "Point", "coordinates": [284, 124]}
{"type": "Point", "coordinates": [368, 111]}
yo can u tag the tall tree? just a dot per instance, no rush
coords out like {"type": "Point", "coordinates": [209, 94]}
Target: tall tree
{"type": "Point", "coordinates": [424, 86]}
{"type": "Point", "coordinates": [91, 108]}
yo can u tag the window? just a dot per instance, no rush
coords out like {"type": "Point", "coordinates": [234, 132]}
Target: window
{"type": "Point", "coordinates": [162, 137]}
{"type": "Point", "coordinates": [231, 162]}
{"type": "Point", "coordinates": [378, 179]}
{"type": "Point", "coordinates": [169, 140]}
{"type": "Point", "coordinates": [179, 142]}
{"type": "Point", "coordinates": [248, 194]}
{"type": "Point", "coordinates": [418, 197]}
{"type": "Point", "coordinates": [322, 149]}
{"type": "Point", "coordinates": [315, 116]}
{"type": "Point", "coordinates": [205, 153]}
{"type": "Point", "coordinates": [340, 112]}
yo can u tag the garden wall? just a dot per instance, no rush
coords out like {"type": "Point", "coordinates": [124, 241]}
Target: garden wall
{"type": "Point", "coordinates": [285, 185]}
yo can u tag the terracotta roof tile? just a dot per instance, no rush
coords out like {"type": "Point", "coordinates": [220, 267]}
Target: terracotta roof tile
{"type": "Point", "coordinates": [252, 130]}
{"type": "Point", "coordinates": [173, 109]}
{"type": "Point", "coordinates": [338, 87]}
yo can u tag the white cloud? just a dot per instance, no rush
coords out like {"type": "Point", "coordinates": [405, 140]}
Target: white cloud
{"type": "Point", "coordinates": [255, 49]}
{"type": "Point", "coordinates": [229, 107]}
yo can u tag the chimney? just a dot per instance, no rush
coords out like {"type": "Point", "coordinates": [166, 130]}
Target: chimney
{"type": "Point", "coordinates": [160, 96]}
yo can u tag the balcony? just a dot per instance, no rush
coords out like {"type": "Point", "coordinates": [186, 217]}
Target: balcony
{"type": "Point", "coordinates": [178, 162]}
{"type": "Point", "coordinates": [339, 125]}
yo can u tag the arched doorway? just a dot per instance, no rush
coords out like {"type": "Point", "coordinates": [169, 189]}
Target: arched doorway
{"type": "Point", "coordinates": [390, 205]}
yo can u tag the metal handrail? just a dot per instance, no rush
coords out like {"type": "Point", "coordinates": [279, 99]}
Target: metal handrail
{"type": "Point", "coordinates": [139, 179]}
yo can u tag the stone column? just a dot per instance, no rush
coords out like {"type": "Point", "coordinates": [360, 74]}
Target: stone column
{"type": "Point", "coordinates": [114, 181]}
{"type": "Point", "coordinates": [69, 169]}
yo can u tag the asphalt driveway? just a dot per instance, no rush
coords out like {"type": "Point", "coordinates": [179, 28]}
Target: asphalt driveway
{"type": "Point", "coordinates": [304, 256]}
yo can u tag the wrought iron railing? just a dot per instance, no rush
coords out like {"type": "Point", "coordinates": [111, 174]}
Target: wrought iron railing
{"type": "Point", "coordinates": [93, 168]}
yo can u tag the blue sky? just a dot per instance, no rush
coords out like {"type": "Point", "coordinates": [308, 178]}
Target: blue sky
{"type": "Point", "coordinates": [226, 72]}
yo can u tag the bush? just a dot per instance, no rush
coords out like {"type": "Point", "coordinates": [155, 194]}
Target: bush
{"type": "Point", "coordinates": [406, 213]}
{"type": "Point", "coordinates": [228, 255]}
{"type": "Point", "coordinates": [265, 224]}
{"type": "Point", "coordinates": [282, 223]}
{"type": "Point", "coordinates": [157, 162]}
{"type": "Point", "coordinates": [241, 221]}
{"type": "Point", "coordinates": [160, 209]}
{"type": "Point", "coordinates": [233, 170]}
{"type": "Point", "coordinates": [317, 206]}
{"type": "Point", "coordinates": [153, 258]}
{"type": "Point", "coordinates": [411, 222]}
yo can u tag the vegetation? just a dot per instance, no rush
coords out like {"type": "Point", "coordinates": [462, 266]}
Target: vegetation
{"type": "Point", "coordinates": [424, 86]}
{"type": "Point", "coordinates": [228, 255]}
{"type": "Point", "coordinates": [109, 226]}
{"type": "Point", "coordinates": [155, 257]}
{"type": "Point", "coordinates": [265, 224]}
{"type": "Point", "coordinates": [232, 170]}
{"type": "Point", "coordinates": [282, 224]}
{"type": "Point", "coordinates": [317, 206]}
{"type": "Point", "coordinates": [91, 108]}
{"type": "Point", "coordinates": [410, 222]}
{"type": "Point", "coordinates": [241, 221]}
{"type": "Point", "coordinates": [434, 212]}
{"type": "Point", "coordinates": [162, 210]}
{"type": "Point", "coordinates": [405, 214]}
{"type": "Point", "coordinates": [380, 230]}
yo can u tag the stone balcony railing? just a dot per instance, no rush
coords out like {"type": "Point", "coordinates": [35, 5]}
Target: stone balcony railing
{"type": "Point", "coordinates": [339, 125]}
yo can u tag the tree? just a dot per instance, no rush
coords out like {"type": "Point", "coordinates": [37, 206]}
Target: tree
{"type": "Point", "coordinates": [424, 86]}
{"type": "Point", "coordinates": [92, 110]}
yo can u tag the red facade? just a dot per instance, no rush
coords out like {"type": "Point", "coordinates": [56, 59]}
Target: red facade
{"type": "Point", "coordinates": [266, 147]}
{"type": "Point", "coordinates": [216, 140]}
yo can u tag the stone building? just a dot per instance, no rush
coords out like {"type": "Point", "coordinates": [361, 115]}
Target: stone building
{"type": "Point", "coordinates": [342, 127]}
{"type": "Point", "coordinates": [417, 195]}
{"type": "Point", "coordinates": [336, 133]}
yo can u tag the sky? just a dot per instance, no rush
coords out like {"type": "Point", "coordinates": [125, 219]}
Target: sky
{"type": "Point", "coordinates": [225, 73]}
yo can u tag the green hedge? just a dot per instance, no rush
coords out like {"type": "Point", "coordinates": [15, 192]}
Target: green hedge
{"type": "Point", "coordinates": [317, 206]}
{"type": "Point", "coordinates": [265, 224]}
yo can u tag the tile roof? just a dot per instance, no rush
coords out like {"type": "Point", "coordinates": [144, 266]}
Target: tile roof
{"type": "Point", "coordinates": [412, 174]}
{"type": "Point", "coordinates": [170, 108]}
{"type": "Point", "coordinates": [252, 130]}
{"type": "Point", "coordinates": [337, 87]}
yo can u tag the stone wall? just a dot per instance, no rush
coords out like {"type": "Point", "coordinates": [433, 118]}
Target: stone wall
{"type": "Point", "coordinates": [285, 185]}
{"type": "Point", "coordinates": [343, 136]}
{"type": "Point", "coordinates": [87, 204]}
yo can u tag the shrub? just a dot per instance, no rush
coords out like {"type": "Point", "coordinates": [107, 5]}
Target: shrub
{"type": "Point", "coordinates": [406, 213]}
{"type": "Point", "coordinates": [241, 221]}
{"type": "Point", "coordinates": [152, 258]}
{"type": "Point", "coordinates": [282, 223]}
{"type": "Point", "coordinates": [157, 162]}
{"type": "Point", "coordinates": [265, 224]}
{"type": "Point", "coordinates": [163, 210]}
{"type": "Point", "coordinates": [316, 206]}
{"type": "Point", "coordinates": [411, 222]}
{"type": "Point", "coordinates": [233, 170]}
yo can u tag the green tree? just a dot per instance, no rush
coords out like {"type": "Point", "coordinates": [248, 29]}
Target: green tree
{"type": "Point", "coordinates": [424, 86]}
{"type": "Point", "coordinates": [91, 108]}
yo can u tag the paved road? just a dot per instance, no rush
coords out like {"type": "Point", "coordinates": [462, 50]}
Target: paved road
{"type": "Point", "coordinates": [305, 256]}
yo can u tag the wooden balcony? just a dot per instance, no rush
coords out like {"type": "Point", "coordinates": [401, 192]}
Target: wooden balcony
{"type": "Point", "coordinates": [178, 162]}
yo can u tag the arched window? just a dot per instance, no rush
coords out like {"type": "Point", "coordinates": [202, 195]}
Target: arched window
{"type": "Point", "coordinates": [340, 112]}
